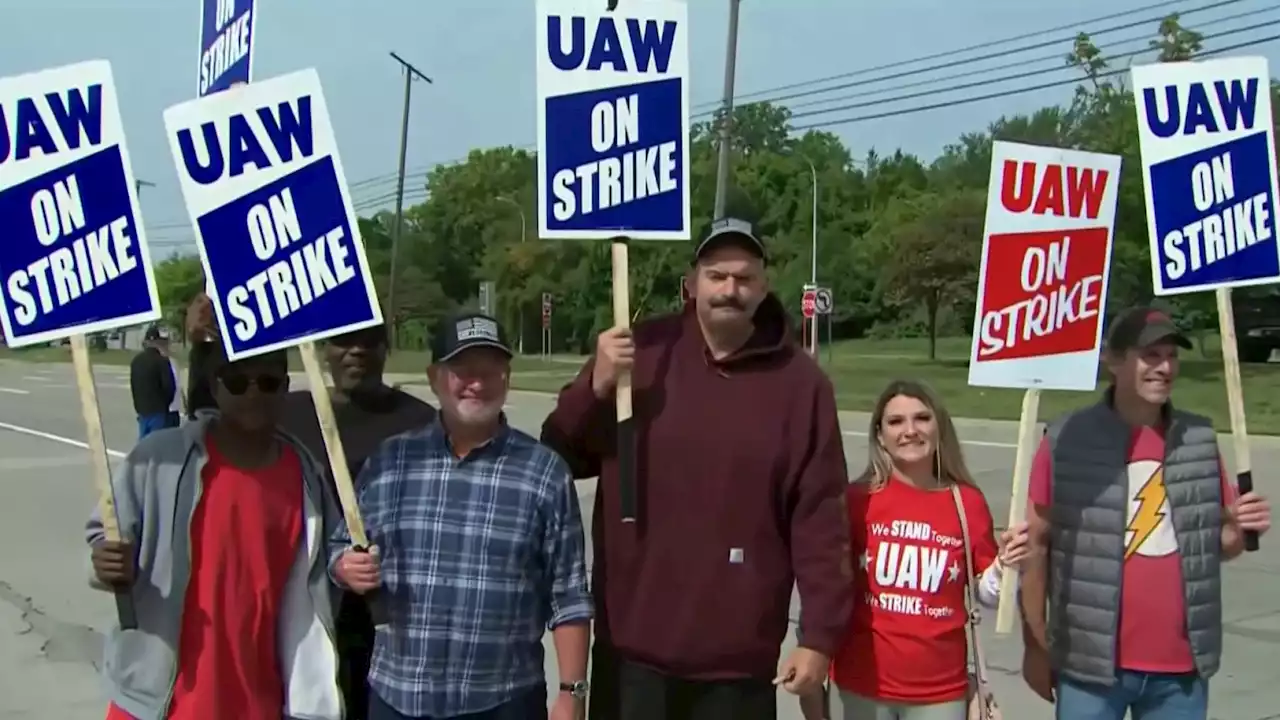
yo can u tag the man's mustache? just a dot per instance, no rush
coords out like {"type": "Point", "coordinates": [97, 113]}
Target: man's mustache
{"type": "Point", "coordinates": [727, 301]}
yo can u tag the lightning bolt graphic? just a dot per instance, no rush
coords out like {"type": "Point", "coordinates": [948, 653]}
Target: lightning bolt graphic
{"type": "Point", "coordinates": [1145, 521]}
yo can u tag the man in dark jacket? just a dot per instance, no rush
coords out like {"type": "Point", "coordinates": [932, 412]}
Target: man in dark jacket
{"type": "Point", "coordinates": [153, 384]}
{"type": "Point", "coordinates": [368, 412]}
{"type": "Point", "coordinates": [741, 476]}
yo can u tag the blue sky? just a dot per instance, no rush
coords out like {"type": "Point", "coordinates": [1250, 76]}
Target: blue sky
{"type": "Point", "coordinates": [480, 52]}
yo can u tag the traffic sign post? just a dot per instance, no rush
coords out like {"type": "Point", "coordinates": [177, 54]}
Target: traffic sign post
{"type": "Point", "coordinates": [546, 325]}
{"type": "Point", "coordinates": [823, 305]}
{"type": "Point", "coordinates": [809, 307]}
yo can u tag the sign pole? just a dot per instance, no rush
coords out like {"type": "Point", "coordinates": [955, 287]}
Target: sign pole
{"type": "Point", "coordinates": [1235, 403]}
{"type": "Point", "coordinates": [626, 426]}
{"type": "Point", "coordinates": [1028, 441]}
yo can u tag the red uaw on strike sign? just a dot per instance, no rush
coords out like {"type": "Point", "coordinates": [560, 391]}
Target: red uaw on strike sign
{"type": "Point", "coordinates": [1045, 258]}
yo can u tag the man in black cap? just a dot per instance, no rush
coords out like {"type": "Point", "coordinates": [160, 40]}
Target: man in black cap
{"type": "Point", "coordinates": [368, 412]}
{"type": "Point", "coordinates": [153, 383]}
{"type": "Point", "coordinates": [1129, 497]}
{"type": "Point", "coordinates": [480, 550]}
{"type": "Point", "coordinates": [740, 482]}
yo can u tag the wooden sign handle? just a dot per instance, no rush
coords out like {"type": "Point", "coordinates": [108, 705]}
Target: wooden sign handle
{"type": "Point", "coordinates": [1027, 443]}
{"type": "Point", "coordinates": [341, 471]}
{"type": "Point", "coordinates": [100, 466]}
{"type": "Point", "coordinates": [626, 425]}
{"type": "Point", "coordinates": [1235, 403]}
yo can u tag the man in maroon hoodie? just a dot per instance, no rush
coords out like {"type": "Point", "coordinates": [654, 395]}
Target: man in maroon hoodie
{"type": "Point", "coordinates": [740, 480]}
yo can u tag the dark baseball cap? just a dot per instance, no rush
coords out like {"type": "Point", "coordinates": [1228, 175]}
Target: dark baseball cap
{"type": "Point", "coordinates": [731, 230]}
{"type": "Point", "coordinates": [155, 333]}
{"type": "Point", "coordinates": [1142, 327]}
{"type": "Point", "coordinates": [465, 331]}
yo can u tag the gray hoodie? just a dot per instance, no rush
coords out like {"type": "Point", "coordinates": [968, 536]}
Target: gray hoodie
{"type": "Point", "coordinates": [156, 489]}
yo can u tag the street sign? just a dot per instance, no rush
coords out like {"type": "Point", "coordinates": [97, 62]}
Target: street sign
{"type": "Point", "coordinates": [822, 302]}
{"type": "Point", "coordinates": [274, 223]}
{"type": "Point", "coordinates": [613, 120]}
{"type": "Point", "coordinates": [809, 302]}
{"type": "Point", "coordinates": [74, 258]}
{"type": "Point", "coordinates": [546, 310]}
{"type": "Point", "coordinates": [1207, 144]}
{"type": "Point", "coordinates": [486, 298]}
{"type": "Point", "coordinates": [227, 30]}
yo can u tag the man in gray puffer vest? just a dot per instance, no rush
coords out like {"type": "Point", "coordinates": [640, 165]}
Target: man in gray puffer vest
{"type": "Point", "coordinates": [1130, 499]}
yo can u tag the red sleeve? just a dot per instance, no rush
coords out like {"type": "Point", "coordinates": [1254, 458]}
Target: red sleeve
{"type": "Point", "coordinates": [579, 427]}
{"type": "Point", "coordinates": [820, 526]}
{"type": "Point", "coordinates": [982, 530]}
{"type": "Point", "coordinates": [1040, 484]}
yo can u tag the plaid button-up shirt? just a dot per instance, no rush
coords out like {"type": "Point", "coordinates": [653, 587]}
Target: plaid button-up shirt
{"type": "Point", "coordinates": [480, 556]}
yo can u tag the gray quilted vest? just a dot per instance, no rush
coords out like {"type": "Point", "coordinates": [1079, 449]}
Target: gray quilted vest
{"type": "Point", "coordinates": [1089, 515]}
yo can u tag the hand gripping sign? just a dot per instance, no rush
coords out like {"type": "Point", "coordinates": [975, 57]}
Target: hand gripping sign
{"type": "Point", "coordinates": [613, 150]}
{"type": "Point", "coordinates": [1042, 288]}
{"type": "Point", "coordinates": [74, 258]}
{"type": "Point", "coordinates": [1208, 158]}
{"type": "Point", "coordinates": [227, 31]}
{"type": "Point", "coordinates": [282, 254]}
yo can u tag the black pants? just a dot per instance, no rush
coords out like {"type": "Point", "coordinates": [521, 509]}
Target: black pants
{"type": "Point", "coordinates": [355, 634]}
{"type": "Point", "coordinates": [645, 694]}
{"type": "Point", "coordinates": [530, 706]}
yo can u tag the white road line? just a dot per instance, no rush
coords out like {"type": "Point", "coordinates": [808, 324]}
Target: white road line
{"type": "Point", "coordinates": [55, 438]}
{"type": "Point", "coordinates": [14, 391]}
{"type": "Point", "coordinates": [34, 378]}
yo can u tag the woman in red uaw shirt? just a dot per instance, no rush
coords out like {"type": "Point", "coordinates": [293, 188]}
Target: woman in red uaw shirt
{"type": "Point", "coordinates": [905, 655]}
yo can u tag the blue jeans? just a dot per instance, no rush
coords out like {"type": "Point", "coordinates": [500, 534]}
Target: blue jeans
{"type": "Point", "coordinates": [148, 424]}
{"type": "Point", "coordinates": [1149, 696]}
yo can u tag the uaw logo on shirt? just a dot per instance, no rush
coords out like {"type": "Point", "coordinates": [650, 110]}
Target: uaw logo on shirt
{"type": "Point", "coordinates": [1149, 531]}
{"type": "Point", "coordinates": [477, 329]}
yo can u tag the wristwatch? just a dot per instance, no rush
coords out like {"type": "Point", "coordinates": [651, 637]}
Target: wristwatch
{"type": "Point", "coordinates": [577, 689]}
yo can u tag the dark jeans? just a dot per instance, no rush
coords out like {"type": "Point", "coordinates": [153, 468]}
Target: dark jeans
{"type": "Point", "coordinates": [1144, 696]}
{"type": "Point", "coordinates": [355, 636]}
{"type": "Point", "coordinates": [645, 694]}
{"type": "Point", "coordinates": [530, 706]}
{"type": "Point", "coordinates": [148, 424]}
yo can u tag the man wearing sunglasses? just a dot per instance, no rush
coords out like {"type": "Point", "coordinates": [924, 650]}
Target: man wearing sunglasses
{"type": "Point", "coordinates": [224, 519]}
{"type": "Point", "coordinates": [480, 550]}
{"type": "Point", "coordinates": [368, 412]}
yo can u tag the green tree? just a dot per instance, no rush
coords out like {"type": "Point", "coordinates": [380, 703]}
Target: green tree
{"type": "Point", "coordinates": [179, 278]}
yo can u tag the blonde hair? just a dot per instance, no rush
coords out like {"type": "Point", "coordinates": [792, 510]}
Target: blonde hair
{"type": "Point", "coordinates": [948, 458]}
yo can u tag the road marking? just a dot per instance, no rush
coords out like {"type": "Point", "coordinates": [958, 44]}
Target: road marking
{"type": "Point", "coordinates": [34, 378]}
{"type": "Point", "coordinates": [14, 391]}
{"type": "Point", "coordinates": [55, 438]}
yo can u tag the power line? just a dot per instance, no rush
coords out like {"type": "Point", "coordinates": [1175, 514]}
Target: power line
{"type": "Point", "coordinates": [1005, 78]}
{"type": "Point", "coordinates": [1007, 93]}
{"type": "Point", "coordinates": [1055, 57]}
{"type": "Point", "coordinates": [983, 46]}
{"type": "Point", "coordinates": [967, 61]}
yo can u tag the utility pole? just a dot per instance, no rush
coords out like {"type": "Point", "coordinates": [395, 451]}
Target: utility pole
{"type": "Point", "coordinates": [726, 131]}
{"type": "Point", "coordinates": [410, 72]}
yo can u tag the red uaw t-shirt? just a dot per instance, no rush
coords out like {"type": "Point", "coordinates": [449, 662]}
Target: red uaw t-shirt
{"type": "Point", "coordinates": [245, 536]}
{"type": "Point", "coordinates": [906, 640]}
{"type": "Point", "coordinates": [1153, 616]}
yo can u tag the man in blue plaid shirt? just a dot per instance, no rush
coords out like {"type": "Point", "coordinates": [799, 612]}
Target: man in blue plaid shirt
{"type": "Point", "coordinates": [480, 549]}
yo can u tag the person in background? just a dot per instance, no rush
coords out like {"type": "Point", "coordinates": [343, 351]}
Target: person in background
{"type": "Point", "coordinates": [479, 550]}
{"type": "Point", "coordinates": [202, 333]}
{"type": "Point", "coordinates": [741, 478]}
{"type": "Point", "coordinates": [1129, 498]}
{"type": "Point", "coordinates": [905, 655]}
{"type": "Point", "coordinates": [368, 412]}
{"type": "Point", "coordinates": [225, 522]}
{"type": "Point", "coordinates": [152, 383]}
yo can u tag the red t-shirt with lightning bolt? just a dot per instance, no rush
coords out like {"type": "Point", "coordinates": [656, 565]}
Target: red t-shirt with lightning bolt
{"type": "Point", "coordinates": [1153, 616]}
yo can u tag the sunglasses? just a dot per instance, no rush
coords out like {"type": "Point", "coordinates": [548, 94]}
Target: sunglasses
{"type": "Point", "coordinates": [238, 384]}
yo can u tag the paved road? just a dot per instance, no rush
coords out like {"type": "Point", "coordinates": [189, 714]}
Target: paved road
{"type": "Point", "coordinates": [51, 623]}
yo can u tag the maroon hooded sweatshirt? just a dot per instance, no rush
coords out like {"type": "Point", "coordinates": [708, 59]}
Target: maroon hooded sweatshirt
{"type": "Point", "coordinates": [740, 481]}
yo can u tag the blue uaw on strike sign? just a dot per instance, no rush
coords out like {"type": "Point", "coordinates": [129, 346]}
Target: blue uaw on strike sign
{"type": "Point", "coordinates": [73, 257]}
{"type": "Point", "coordinates": [265, 190]}
{"type": "Point", "coordinates": [1207, 147]}
{"type": "Point", "coordinates": [613, 120]}
{"type": "Point", "coordinates": [226, 44]}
